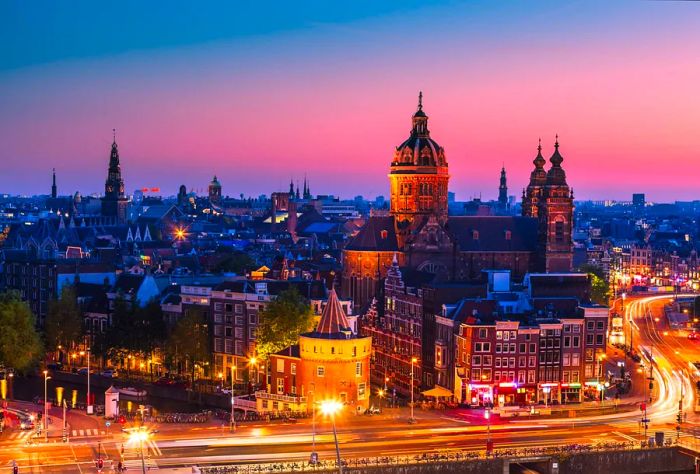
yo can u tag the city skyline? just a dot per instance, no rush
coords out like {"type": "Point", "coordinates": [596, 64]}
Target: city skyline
{"type": "Point", "coordinates": [259, 102]}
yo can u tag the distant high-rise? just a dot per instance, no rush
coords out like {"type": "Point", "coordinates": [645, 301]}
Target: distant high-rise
{"type": "Point", "coordinates": [639, 200]}
{"type": "Point", "coordinates": [503, 190]}
{"type": "Point", "coordinates": [114, 202]}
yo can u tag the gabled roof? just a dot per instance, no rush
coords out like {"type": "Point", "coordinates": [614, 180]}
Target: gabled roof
{"type": "Point", "coordinates": [377, 234]}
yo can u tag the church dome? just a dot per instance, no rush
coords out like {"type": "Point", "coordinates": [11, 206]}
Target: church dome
{"type": "Point", "coordinates": [215, 182]}
{"type": "Point", "coordinates": [419, 149]}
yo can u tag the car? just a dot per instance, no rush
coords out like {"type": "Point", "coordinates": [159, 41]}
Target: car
{"type": "Point", "coordinates": [26, 423]}
{"type": "Point", "coordinates": [693, 336]}
{"type": "Point", "coordinates": [83, 371]}
{"type": "Point", "coordinates": [110, 373]}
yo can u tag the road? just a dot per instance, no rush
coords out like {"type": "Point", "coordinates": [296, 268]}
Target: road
{"type": "Point", "coordinates": [390, 434]}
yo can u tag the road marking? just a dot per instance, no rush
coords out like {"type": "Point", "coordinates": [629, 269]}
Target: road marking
{"type": "Point", "coordinates": [624, 436]}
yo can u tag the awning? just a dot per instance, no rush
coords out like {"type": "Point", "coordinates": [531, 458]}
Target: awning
{"type": "Point", "coordinates": [438, 391]}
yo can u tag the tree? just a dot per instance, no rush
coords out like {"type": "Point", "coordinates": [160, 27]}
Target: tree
{"type": "Point", "coordinates": [189, 341]}
{"type": "Point", "coordinates": [235, 262]}
{"type": "Point", "coordinates": [282, 321]}
{"type": "Point", "coordinates": [20, 345]}
{"type": "Point", "coordinates": [134, 330]}
{"type": "Point", "coordinates": [600, 287]}
{"type": "Point", "coordinates": [118, 337]}
{"type": "Point", "coordinates": [63, 326]}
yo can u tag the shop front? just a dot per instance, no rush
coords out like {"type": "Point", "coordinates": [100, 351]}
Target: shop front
{"type": "Point", "coordinates": [480, 394]}
{"type": "Point", "coordinates": [548, 393]}
{"type": "Point", "coordinates": [571, 392]}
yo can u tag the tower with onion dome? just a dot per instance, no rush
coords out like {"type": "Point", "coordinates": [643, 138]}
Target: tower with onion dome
{"type": "Point", "coordinates": [114, 202]}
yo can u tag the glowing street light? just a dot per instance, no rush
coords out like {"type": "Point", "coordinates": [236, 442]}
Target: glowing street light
{"type": "Point", "coordinates": [139, 436]}
{"type": "Point", "coordinates": [381, 394]}
{"type": "Point", "coordinates": [46, 406]}
{"type": "Point", "coordinates": [330, 408]}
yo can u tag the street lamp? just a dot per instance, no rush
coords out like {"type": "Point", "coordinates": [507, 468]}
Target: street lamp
{"type": "Point", "coordinates": [600, 359]}
{"type": "Point", "coordinates": [313, 459]}
{"type": "Point", "coordinates": [380, 393]}
{"type": "Point", "coordinates": [253, 361]}
{"type": "Point", "coordinates": [330, 408]}
{"type": "Point", "coordinates": [413, 362]}
{"type": "Point", "coordinates": [232, 423]}
{"type": "Point", "coordinates": [489, 442]}
{"type": "Point", "coordinates": [88, 405]}
{"type": "Point", "coordinates": [140, 435]}
{"type": "Point", "coordinates": [46, 407]}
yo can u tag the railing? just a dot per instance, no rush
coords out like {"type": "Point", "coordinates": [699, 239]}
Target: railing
{"type": "Point", "coordinates": [279, 398]}
{"type": "Point", "coordinates": [433, 458]}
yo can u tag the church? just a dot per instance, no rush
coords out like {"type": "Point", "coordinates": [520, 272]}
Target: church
{"type": "Point", "coordinates": [419, 231]}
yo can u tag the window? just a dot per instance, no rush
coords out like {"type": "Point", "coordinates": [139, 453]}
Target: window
{"type": "Point", "coordinates": [498, 348]}
{"type": "Point", "coordinates": [487, 347]}
{"type": "Point", "coordinates": [229, 331]}
{"type": "Point", "coordinates": [228, 346]}
{"type": "Point", "coordinates": [485, 374]}
{"type": "Point", "coordinates": [498, 362]}
{"type": "Point", "coordinates": [218, 345]}
{"type": "Point", "coordinates": [521, 377]}
{"type": "Point", "coordinates": [239, 309]}
{"type": "Point", "coordinates": [589, 355]}
{"type": "Point", "coordinates": [522, 348]}
{"type": "Point", "coordinates": [478, 346]}
{"type": "Point", "coordinates": [574, 376]}
{"type": "Point", "coordinates": [567, 341]}
{"type": "Point", "coordinates": [358, 369]}
{"type": "Point", "coordinates": [280, 385]}
{"type": "Point", "coordinates": [320, 371]}
{"type": "Point", "coordinates": [513, 334]}
{"type": "Point", "coordinates": [589, 325]}
{"type": "Point", "coordinates": [511, 362]}
{"type": "Point", "coordinates": [531, 361]}
{"type": "Point", "coordinates": [565, 376]}
{"type": "Point", "coordinates": [228, 307]}
{"type": "Point", "coordinates": [566, 360]}
{"type": "Point", "coordinates": [522, 361]}
{"type": "Point", "coordinates": [487, 360]}
{"type": "Point", "coordinates": [577, 341]}
{"type": "Point", "coordinates": [599, 339]}
{"type": "Point", "coordinates": [361, 391]}
{"type": "Point", "coordinates": [506, 335]}
{"type": "Point", "coordinates": [599, 325]}
{"type": "Point", "coordinates": [280, 365]}
{"type": "Point", "coordinates": [239, 333]}
{"type": "Point", "coordinates": [576, 328]}
{"type": "Point", "coordinates": [588, 371]}
{"type": "Point", "coordinates": [499, 335]}
{"type": "Point", "coordinates": [496, 376]}
{"type": "Point", "coordinates": [483, 333]}
{"type": "Point", "coordinates": [575, 359]}
{"type": "Point", "coordinates": [293, 369]}
{"type": "Point", "coordinates": [533, 347]}
{"type": "Point", "coordinates": [512, 348]}
{"type": "Point", "coordinates": [530, 376]}
{"type": "Point", "coordinates": [476, 374]}
{"type": "Point", "coordinates": [476, 360]}
{"type": "Point", "coordinates": [589, 339]}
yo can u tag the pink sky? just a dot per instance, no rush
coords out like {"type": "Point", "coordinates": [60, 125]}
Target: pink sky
{"type": "Point", "coordinates": [332, 102]}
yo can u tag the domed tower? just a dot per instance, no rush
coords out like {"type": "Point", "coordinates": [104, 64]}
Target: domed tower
{"type": "Point", "coordinates": [418, 176]}
{"type": "Point", "coordinates": [538, 178]}
{"type": "Point", "coordinates": [556, 216]}
{"type": "Point", "coordinates": [215, 191]}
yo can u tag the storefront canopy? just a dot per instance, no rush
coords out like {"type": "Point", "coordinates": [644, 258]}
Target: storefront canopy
{"type": "Point", "coordinates": [438, 391]}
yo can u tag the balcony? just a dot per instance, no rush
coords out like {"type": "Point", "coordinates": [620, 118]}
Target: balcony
{"type": "Point", "coordinates": [278, 398]}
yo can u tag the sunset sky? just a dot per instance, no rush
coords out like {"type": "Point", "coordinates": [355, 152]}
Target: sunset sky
{"type": "Point", "coordinates": [261, 92]}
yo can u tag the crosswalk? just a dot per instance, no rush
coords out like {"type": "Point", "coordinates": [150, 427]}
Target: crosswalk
{"type": "Point", "coordinates": [23, 435]}
{"type": "Point", "coordinates": [135, 464]}
{"type": "Point", "coordinates": [132, 455]}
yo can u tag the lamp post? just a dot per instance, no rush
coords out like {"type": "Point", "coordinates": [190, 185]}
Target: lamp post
{"type": "Point", "coordinates": [313, 459]}
{"type": "Point", "coordinates": [600, 360]}
{"type": "Point", "coordinates": [10, 377]}
{"type": "Point", "coordinates": [140, 435]}
{"type": "Point", "coordinates": [489, 442]}
{"type": "Point", "coordinates": [232, 423]}
{"type": "Point", "coordinates": [88, 405]}
{"type": "Point", "coordinates": [46, 406]}
{"type": "Point", "coordinates": [412, 419]}
{"type": "Point", "coordinates": [330, 408]}
{"type": "Point", "coordinates": [380, 393]}
{"type": "Point", "coordinates": [253, 361]}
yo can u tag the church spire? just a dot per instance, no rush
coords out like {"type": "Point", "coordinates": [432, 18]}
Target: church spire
{"type": "Point", "coordinates": [53, 186]}
{"type": "Point", "coordinates": [420, 119]}
{"type": "Point", "coordinates": [291, 188]}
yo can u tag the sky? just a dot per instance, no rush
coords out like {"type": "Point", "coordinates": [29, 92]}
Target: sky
{"type": "Point", "coordinates": [259, 93]}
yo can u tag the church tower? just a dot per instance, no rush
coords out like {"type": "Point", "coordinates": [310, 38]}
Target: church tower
{"type": "Point", "coordinates": [556, 214]}
{"type": "Point", "coordinates": [503, 190]}
{"type": "Point", "coordinates": [418, 177]}
{"type": "Point", "coordinates": [114, 202]}
{"type": "Point", "coordinates": [215, 191]}
{"type": "Point", "coordinates": [538, 178]}
{"type": "Point", "coordinates": [54, 189]}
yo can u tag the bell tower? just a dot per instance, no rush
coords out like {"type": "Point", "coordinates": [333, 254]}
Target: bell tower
{"type": "Point", "coordinates": [418, 177]}
{"type": "Point", "coordinates": [556, 214]}
{"type": "Point", "coordinates": [114, 202]}
{"type": "Point", "coordinates": [538, 178]}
